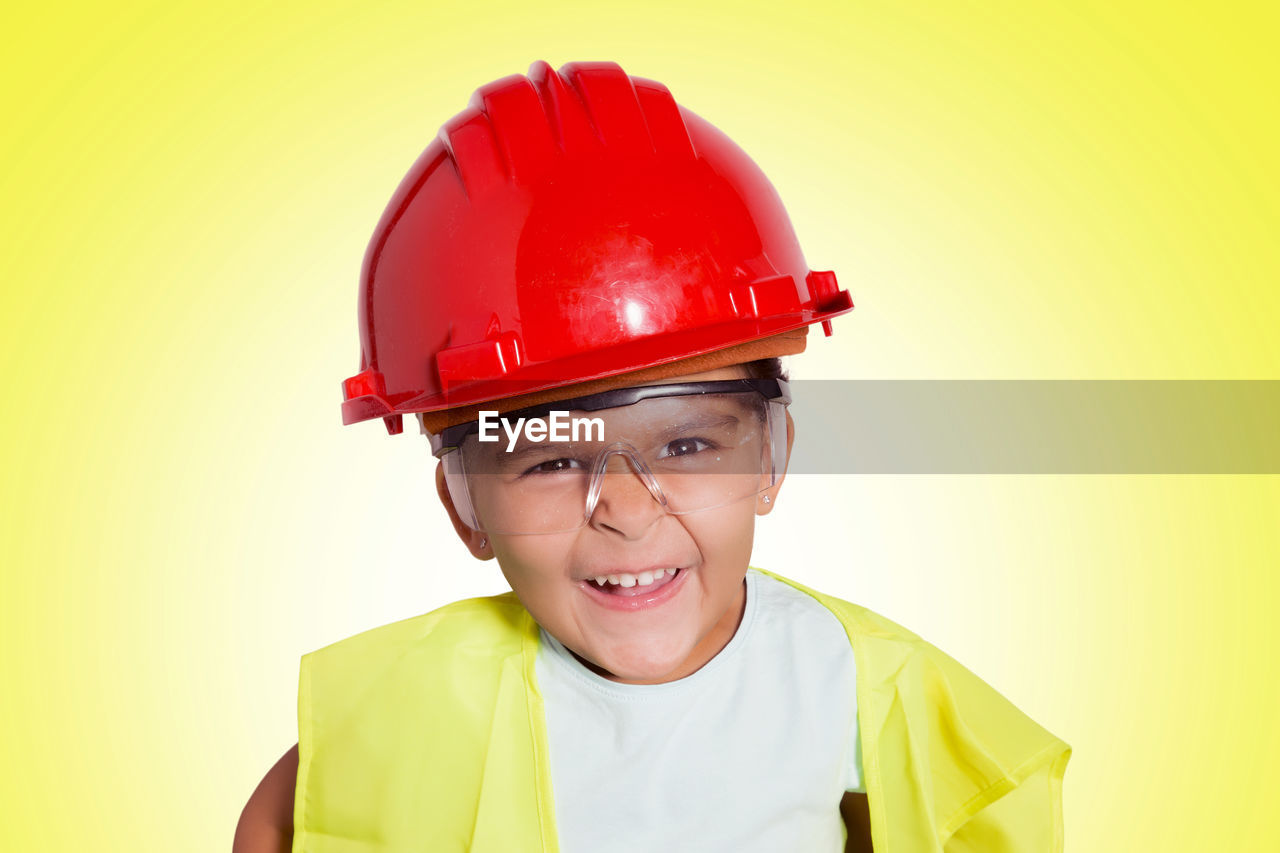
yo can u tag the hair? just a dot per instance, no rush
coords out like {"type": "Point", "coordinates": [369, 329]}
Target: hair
{"type": "Point", "coordinates": [766, 368]}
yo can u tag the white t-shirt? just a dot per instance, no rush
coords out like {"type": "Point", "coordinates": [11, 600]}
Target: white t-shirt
{"type": "Point", "coordinates": [752, 752]}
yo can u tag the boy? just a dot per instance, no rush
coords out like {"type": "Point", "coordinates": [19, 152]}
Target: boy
{"type": "Point", "coordinates": [582, 290]}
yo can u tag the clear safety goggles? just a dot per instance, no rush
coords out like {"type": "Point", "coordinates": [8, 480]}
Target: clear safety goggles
{"type": "Point", "coordinates": [692, 446]}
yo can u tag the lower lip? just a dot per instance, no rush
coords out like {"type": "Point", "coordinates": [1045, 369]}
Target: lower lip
{"type": "Point", "coordinates": [641, 601]}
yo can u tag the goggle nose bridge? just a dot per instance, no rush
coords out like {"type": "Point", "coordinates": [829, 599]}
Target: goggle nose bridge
{"type": "Point", "coordinates": [628, 451]}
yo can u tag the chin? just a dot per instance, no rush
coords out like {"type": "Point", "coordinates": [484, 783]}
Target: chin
{"type": "Point", "coordinates": [642, 665]}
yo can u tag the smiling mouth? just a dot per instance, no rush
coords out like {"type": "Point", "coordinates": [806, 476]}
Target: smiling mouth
{"type": "Point", "coordinates": [635, 586]}
{"type": "Point", "coordinates": [624, 583]}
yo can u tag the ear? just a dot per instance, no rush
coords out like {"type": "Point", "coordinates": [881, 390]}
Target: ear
{"type": "Point", "coordinates": [477, 542]}
{"type": "Point", "coordinates": [764, 507]}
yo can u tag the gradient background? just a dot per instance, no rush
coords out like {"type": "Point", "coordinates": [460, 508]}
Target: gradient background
{"type": "Point", "coordinates": [1009, 190]}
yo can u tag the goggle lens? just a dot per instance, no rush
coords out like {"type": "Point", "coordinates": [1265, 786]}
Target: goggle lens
{"type": "Point", "coordinates": [690, 453]}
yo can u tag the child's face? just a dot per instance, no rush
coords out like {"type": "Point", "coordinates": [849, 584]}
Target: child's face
{"type": "Point", "coordinates": [678, 627]}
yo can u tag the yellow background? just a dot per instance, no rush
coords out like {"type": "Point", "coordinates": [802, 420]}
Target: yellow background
{"type": "Point", "coordinates": [1009, 190]}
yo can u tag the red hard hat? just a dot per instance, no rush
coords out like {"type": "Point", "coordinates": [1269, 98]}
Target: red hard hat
{"type": "Point", "coordinates": [568, 226]}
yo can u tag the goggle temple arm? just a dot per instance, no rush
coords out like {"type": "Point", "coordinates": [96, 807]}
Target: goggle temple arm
{"type": "Point", "coordinates": [455, 480]}
{"type": "Point", "coordinates": [777, 416]}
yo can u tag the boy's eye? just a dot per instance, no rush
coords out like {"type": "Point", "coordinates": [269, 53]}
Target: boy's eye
{"type": "Point", "coordinates": [554, 466]}
{"type": "Point", "coordinates": [684, 447]}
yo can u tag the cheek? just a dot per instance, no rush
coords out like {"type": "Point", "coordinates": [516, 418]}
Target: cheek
{"type": "Point", "coordinates": [519, 560]}
{"type": "Point", "coordinates": [535, 566]}
{"type": "Point", "coordinates": [724, 536]}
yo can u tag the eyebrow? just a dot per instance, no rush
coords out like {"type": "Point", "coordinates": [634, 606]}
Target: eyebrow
{"type": "Point", "coordinates": [705, 422]}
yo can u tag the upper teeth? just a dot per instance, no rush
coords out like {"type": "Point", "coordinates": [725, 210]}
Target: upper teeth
{"type": "Point", "coordinates": [624, 579]}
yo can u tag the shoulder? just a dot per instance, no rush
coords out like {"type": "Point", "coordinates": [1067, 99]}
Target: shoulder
{"type": "Point", "coordinates": [893, 660]}
{"type": "Point", "coordinates": [855, 618]}
{"type": "Point", "coordinates": [885, 651]}
{"type": "Point", "coordinates": [493, 627]}
{"type": "Point", "coordinates": [916, 700]}
{"type": "Point", "coordinates": [453, 656]}
{"type": "Point", "coordinates": [790, 622]}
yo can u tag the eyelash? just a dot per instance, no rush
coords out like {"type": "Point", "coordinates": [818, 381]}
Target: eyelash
{"type": "Point", "coordinates": [538, 469]}
{"type": "Point", "coordinates": [700, 444]}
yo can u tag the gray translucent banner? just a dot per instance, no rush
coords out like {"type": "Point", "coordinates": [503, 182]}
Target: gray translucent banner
{"type": "Point", "coordinates": [1036, 427]}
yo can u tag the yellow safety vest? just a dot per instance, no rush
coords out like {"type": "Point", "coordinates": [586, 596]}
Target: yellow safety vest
{"type": "Point", "coordinates": [428, 734]}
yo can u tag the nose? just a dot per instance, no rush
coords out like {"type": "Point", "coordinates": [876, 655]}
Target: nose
{"type": "Point", "coordinates": [627, 498]}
